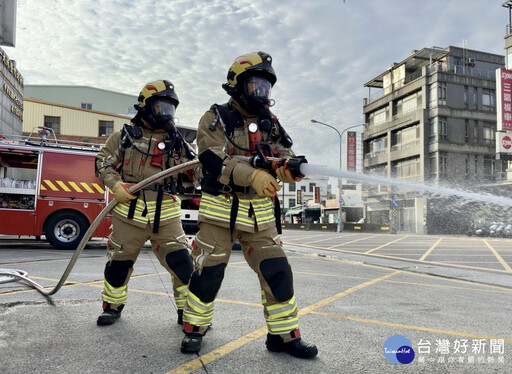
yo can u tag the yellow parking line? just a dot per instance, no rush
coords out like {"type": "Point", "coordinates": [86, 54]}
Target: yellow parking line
{"type": "Point", "coordinates": [235, 344]}
{"type": "Point", "coordinates": [410, 327]}
{"type": "Point", "coordinates": [430, 249]}
{"type": "Point", "coordinates": [500, 259]}
{"type": "Point", "coordinates": [401, 258]}
{"type": "Point", "coordinates": [385, 245]}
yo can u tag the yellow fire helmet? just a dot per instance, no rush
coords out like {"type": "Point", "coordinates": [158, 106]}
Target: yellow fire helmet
{"type": "Point", "coordinates": [157, 104]}
{"type": "Point", "coordinates": [161, 88]}
{"type": "Point", "coordinates": [255, 63]}
{"type": "Point", "coordinates": [245, 68]}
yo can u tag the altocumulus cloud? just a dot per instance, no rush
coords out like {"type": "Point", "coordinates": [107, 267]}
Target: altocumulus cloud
{"type": "Point", "coordinates": [324, 51]}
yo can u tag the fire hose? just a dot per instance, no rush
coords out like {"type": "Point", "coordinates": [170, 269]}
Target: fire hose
{"type": "Point", "coordinates": [21, 275]}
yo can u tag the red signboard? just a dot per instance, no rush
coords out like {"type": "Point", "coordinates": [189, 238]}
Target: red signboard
{"type": "Point", "coordinates": [351, 150]}
{"type": "Point", "coordinates": [504, 99]}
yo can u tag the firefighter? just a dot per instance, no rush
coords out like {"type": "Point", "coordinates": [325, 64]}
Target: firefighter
{"type": "Point", "coordinates": [238, 204]}
{"type": "Point", "coordinates": [148, 145]}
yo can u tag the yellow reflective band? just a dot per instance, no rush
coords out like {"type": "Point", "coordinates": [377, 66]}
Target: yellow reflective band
{"type": "Point", "coordinates": [282, 310]}
{"type": "Point", "coordinates": [263, 298]}
{"type": "Point", "coordinates": [51, 185]}
{"type": "Point", "coordinates": [182, 289]}
{"type": "Point", "coordinates": [283, 326]}
{"type": "Point", "coordinates": [43, 188]}
{"type": "Point", "coordinates": [98, 188]}
{"type": "Point", "coordinates": [63, 186]}
{"type": "Point", "coordinates": [204, 306]}
{"type": "Point", "coordinates": [111, 300]}
{"type": "Point", "coordinates": [86, 187]}
{"type": "Point", "coordinates": [75, 187]}
{"type": "Point", "coordinates": [180, 302]}
{"type": "Point", "coordinates": [197, 320]}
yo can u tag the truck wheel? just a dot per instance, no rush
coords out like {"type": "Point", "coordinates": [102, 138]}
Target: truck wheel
{"type": "Point", "coordinates": [65, 230]}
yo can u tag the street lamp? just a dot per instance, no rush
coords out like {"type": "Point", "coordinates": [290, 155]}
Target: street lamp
{"type": "Point", "coordinates": [340, 134]}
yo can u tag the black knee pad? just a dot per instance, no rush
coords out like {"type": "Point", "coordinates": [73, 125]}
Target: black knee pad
{"type": "Point", "coordinates": [278, 274]}
{"type": "Point", "coordinates": [206, 285]}
{"type": "Point", "coordinates": [181, 264]}
{"type": "Point", "coordinates": [117, 271]}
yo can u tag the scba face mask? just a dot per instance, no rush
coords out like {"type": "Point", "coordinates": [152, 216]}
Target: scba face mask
{"type": "Point", "coordinates": [161, 114]}
{"type": "Point", "coordinates": [256, 93]}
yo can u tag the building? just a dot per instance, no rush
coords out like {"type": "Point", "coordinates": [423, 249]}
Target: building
{"type": "Point", "coordinates": [431, 119]}
{"type": "Point", "coordinates": [11, 97]}
{"type": "Point", "coordinates": [84, 97]}
{"type": "Point", "coordinates": [312, 191]}
{"type": "Point", "coordinates": [70, 123]}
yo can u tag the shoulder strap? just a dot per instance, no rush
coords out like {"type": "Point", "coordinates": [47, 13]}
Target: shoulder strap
{"type": "Point", "coordinates": [229, 117]}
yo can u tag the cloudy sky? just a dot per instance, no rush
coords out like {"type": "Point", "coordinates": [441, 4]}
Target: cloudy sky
{"type": "Point", "coordinates": [323, 50]}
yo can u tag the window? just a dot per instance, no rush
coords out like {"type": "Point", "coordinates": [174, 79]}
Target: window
{"type": "Point", "coordinates": [52, 123]}
{"type": "Point", "coordinates": [466, 131]}
{"type": "Point", "coordinates": [475, 96]}
{"type": "Point", "coordinates": [303, 188]}
{"type": "Point", "coordinates": [379, 117]}
{"type": "Point", "coordinates": [433, 95]}
{"type": "Point", "coordinates": [488, 99]}
{"type": "Point", "coordinates": [86, 106]}
{"type": "Point", "coordinates": [438, 126]}
{"type": "Point", "coordinates": [378, 145]}
{"type": "Point", "coordinates": [432, 128]}
{"type": "Point", "coordinates": [106, 128]}
{"type": "Point", "coordinates": [489, 133]}
{"type": "Point", "coordinates": [467, 167]}
{"type": "Point", "coordinates": [408, 135]}
{"type": "Point", "coordinates": [488, 166]}
{"type": "Point", "coordinates": [441, 93]}
{"type": "Point", "coordinates": [410, 104]}
{"type": "Point", "coordinates": [408, 169]}
{"type": "Point", "coordinates": [312, 187]}
{"type": "Point", "coordinates": [475, 132]}
{"type": "Point", "coordinates": [466, 96]}
{"type": "Point", "coordinates": [291, 187]}
{"type": "Point", "coordinates": [291, 203]}
{"type": "Point", "coordinates": [442, 165]}
{"type": "Point", "coordinates": [433, 165]}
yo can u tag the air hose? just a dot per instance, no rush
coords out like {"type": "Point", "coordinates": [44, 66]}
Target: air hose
{"type": "Point", "coordinates": [10, 275]}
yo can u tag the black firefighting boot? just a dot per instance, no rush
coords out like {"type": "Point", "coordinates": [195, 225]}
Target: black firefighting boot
{"type": "Point", "coordinates": [191, 343]}
{"type": "Point", "coordinates": [109, 315]}
{"type": "Point", "coordinates": [180, 316]}
{"type": "Point", "coordinates": [297, 347]}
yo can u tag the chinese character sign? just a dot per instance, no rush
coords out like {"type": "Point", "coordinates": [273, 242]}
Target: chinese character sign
{"type": "Point", "coordinates": [504, 99]}
{"type": "Point", "coordinates": [351, 150]}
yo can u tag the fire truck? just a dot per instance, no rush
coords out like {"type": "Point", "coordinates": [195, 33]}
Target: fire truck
{"type": "Point", "coordinates": [49, 188]}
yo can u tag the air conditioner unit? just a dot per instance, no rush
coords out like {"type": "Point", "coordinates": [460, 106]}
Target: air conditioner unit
{"type": "Point", "coordinates": [470, 61]}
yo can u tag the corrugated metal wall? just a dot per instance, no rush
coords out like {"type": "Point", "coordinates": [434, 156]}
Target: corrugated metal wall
{"type": "Point", "coordinates": [74, 121]}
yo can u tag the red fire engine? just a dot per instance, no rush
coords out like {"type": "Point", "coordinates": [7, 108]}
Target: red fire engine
{"type": "Point", "coordinates": [50, 189]}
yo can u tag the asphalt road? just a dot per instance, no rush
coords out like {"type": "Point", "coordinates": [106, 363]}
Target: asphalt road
{"type": "Point", "coordinates": [449, 297]}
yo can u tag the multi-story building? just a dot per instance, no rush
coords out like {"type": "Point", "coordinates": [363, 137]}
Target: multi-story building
{"type": "Point", "coordinates": [11, 97]}
{"type": "Point", "coordinates": [431, 119]}
{"type": "Point", "coordinates": [288, 196]}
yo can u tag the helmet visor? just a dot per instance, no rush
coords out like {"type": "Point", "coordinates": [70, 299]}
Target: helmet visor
{"type": "Point", "coordinates": [258, 87]}
{"type": "Point", "coordinates": [163, 107]}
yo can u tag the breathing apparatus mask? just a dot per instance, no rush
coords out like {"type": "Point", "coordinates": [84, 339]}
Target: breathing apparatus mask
{"type": "Point", "coordinates": [159, 114]}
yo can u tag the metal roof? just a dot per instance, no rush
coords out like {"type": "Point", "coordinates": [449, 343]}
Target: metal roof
{"type": "Point", "coordinates": [412, 62]}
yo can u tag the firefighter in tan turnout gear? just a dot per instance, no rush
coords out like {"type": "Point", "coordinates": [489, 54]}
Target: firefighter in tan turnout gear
{"type": "Point", "coordinates": [150, 144]}
{"type": "Point", "coordinates": [239, 203]}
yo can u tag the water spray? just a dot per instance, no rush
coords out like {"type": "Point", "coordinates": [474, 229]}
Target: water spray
{"type": "Point", "coordinates": [311, 169]}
